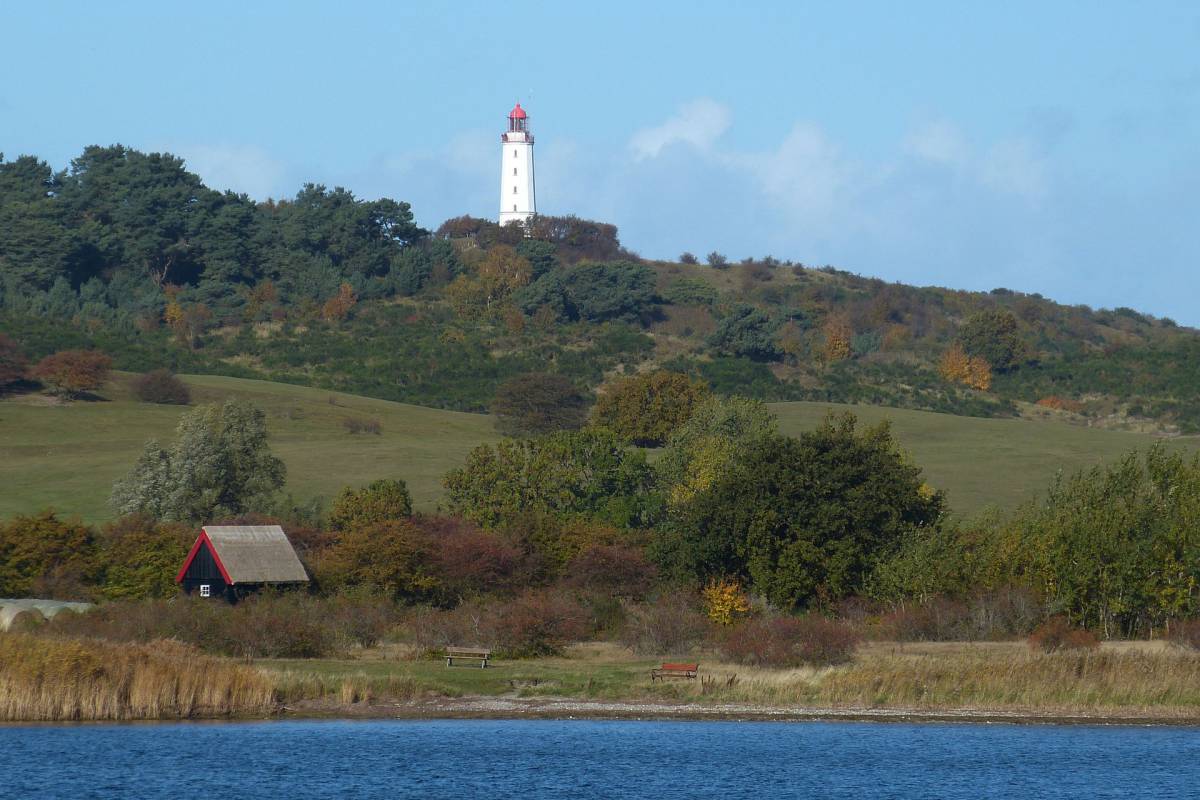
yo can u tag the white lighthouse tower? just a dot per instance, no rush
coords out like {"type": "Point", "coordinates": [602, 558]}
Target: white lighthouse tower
{"type": "Point", "coordinates": [517, 200]}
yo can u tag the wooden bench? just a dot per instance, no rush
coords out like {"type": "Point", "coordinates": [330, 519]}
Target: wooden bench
{"type": "Point", "coordinates": [470, 653]}
{"type": "Point", "coordinates": [674, 671]}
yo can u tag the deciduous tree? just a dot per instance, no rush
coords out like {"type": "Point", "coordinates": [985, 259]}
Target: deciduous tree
{"type": "Point", "coordinates": [802, 519]}
{"type": "Point", "coordinates": [71, 373]}
{"type": "Point", "coordinates": [588, 473]}
{"type": "Point", "coordinates": [42, 552]}
{"type": "Point", "coordinates": [994, 337]}
{"type": "Point", "coordinates": [647, 408]}
{"type": "Point", "coordinates": [219, 465]}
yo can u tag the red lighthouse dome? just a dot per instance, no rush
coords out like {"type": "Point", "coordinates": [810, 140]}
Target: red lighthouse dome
{"type": "Point", "coordinates": [517, 112]}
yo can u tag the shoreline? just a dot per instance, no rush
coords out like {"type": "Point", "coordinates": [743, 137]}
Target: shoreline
{"type": "Point", "coordinates": [561, 708]}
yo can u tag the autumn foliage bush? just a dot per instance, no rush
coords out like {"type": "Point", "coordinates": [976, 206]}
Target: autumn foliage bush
{"type": "Point", "coordinates": [161, 386]}
{"type": "Point", "coordinates": [269, 625]}
{"type": "Point", "coordinates": [537, 623]}
{"type": "Point", "coordinates": [671, 624]}
{"type": "Point", "coordinates": [615, 570]}
{"type": "Point", "coordinates": [1003, 613]}
{"type": "Point", "coordinates": [790, 642]}
{"type": "Point", "coordinates": [956, 366]}
{"type": "Point", "coordinates": [1057, 633]}
{"type": "Point", "coordinates": [71, 373]}
{"type": "Point", "coordinates": [646, 409]}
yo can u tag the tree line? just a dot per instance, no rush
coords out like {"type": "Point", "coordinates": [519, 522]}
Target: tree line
{"type": "Point", "coordinates": [836, 515]}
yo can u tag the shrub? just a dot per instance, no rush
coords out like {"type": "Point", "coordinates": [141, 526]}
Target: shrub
{"type": "Point", "coordinates": [1004, 613]}
{"type": "Point", "coordinates": [357, 425]}
{"type": "Point", "coordinates": [284, 626]}
{"type": "Point", "coordinates": [746, 331]}
{"type": "Point", "coordinates": [267, 625]}
{"type": "Point", "coordinates": [71, 373]}
{"type": "Point", "coordinates": [993, 336]}
{"type": "Point", "coordinates": [613, 570]}
{"type": "Point", "coordinates": [569, 473]}
{"type": "Point", "coordinates": [648, 408]}
{"type": "Point", "coordinates": [1057, 633]}
{"type": "Point", "coordinates": [717, 260]}
{"type": "Point", "coordinates": [468, 561]}
{"type": "Point", "coordinates": [790, 642]}
{"type": "Point", "coordinates": [380, 501]}
{"type": "Point", "coordinates": [938, 619]}
{"type": "Point", "coordinates": [538, 402]}
{"type": "Point", "coordinates": [391, 557]}
{"type": "Point", "coordinates": [538, 623]}
{"type": "Point", "coordinates": [467, 625]}
{"type": "Point", "coordinates": [690, 292]}
{"type": "Point", "coordinates": [139, 557]}
{"type": "Point", "coordinates": [46, 556]}
{"type": "Point", "coordinates": [12, 361]}
{"type": "Point", "coordinates": [161, 386]}
{"type": "Point", "coordinates": [724, 601]}
{"type": "Point", "coordinates": [1186, 633]}
{"type": "Point", "coordinates": [669, 625]}
{"type": "Point", "coordinates": [687, 258]}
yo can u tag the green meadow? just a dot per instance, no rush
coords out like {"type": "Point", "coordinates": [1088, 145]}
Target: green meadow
{"type": "Point", "coordinates": [982, 462]}
{"type": "Point", "coordinates": [66, 456]}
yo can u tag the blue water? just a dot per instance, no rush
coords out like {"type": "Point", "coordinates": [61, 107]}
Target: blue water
{"type": "Point", "coordinates": [544, 759]}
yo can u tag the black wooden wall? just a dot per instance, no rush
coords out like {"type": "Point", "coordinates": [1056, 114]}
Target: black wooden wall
{"type": "Point", "coordinates": [203, 570]}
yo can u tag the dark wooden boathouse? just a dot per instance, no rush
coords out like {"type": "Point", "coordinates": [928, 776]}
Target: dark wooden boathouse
{"type": "Point", "coordinates": [231, 561]}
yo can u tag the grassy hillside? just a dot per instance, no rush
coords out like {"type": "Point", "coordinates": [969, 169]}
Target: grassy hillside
{"type": "Point", "coordinates": [67, 456]}
{"type": "Point", "coordinates": [985, 461]}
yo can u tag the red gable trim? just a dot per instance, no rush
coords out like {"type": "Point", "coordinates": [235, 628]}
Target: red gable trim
{"type": "Point", "coordinates": [203, 539]}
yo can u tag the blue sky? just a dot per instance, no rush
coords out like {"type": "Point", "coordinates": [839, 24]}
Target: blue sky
{"type": "Point", "coordinates": [1044, 147]}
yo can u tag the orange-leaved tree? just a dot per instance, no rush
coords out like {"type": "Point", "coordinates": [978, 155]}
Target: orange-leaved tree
{"type": "Point", "coordinates": [70, 373]}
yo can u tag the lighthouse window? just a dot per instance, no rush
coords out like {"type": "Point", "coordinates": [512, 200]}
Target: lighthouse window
{"type": "Point", "coordinates": [514, 206]}
{"type": "Point", "coordinates": [514, 190]}
{"type": "Point", "coordinates": [514, 171]}
{"type": "Point", "coordinates": [514, 153]}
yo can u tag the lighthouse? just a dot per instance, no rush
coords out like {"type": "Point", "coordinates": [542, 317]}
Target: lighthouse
{"type": "Point", "coordinates": [517, 200]}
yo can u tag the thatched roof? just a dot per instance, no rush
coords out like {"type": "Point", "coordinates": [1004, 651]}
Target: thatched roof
{"type": "Point", "coordinates": [255, 554]}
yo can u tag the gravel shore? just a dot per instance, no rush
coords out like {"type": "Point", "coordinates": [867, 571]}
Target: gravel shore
{"type": "Point", "coordinates": [565, 708]}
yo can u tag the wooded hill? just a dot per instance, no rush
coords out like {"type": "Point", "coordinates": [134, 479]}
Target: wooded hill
{"type": "Point", "coordinates": [131, 254]}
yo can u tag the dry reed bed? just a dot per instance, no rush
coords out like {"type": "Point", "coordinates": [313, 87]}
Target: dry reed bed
{"type": "Point", "coordinates": [1146, 682]}
{"type": "Point", "coordinates": [344, 688]}
{"type": "Point", "coordinates": [48, 679]}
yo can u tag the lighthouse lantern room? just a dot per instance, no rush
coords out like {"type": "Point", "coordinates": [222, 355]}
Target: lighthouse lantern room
{"type": "Point", "coordinates": [517, 199]}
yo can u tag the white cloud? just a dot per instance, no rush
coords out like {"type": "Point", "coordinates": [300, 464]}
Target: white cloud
{"type": "Point", "coordinates": [241, 168]}
{"type": "Point", "coordinates": [698, 123]}
{"type": "Point", "coordinates": [939, 142]}
{"type": "Point", "coordinates": [806, 174]}
{"type": "Point", "coordinates": [1012, 166]}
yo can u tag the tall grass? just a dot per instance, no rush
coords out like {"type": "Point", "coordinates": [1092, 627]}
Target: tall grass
{"type": "Point", "coordinates": [50, 679]}
{"type": "Point", "coordinates": [1162, 682]}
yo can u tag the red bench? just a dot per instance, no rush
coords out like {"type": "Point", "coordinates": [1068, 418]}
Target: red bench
{"type": "Point", "coordinates": [674, 671]}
